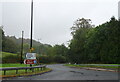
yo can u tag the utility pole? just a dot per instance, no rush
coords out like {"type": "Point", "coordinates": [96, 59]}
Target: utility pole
{"type": "Point", "coordinates": [31, 23]}
{"type": "Point", "coordinates": [31, 28]}
{"type": "Point", "coordinates": [21, 61]}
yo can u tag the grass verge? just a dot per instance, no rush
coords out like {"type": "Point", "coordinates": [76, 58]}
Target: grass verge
{"type": "Point", "coordinates": [15, 65]}
{"type": "Point", "coordinates": [12, 73]}
{"type": "Point", "coordinates": [106, 67]}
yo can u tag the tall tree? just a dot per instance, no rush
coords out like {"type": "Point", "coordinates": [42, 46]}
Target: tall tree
{"type": "Point", "coordinates": [81, 23]}
{"type": "Point", "coordinates": [80, 31]}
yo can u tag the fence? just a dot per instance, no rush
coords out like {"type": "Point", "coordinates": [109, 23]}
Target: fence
{"type": "Point", "coordinates": [21, 68]}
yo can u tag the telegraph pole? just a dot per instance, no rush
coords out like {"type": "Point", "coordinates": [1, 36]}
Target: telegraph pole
{"type": "Point", "coordinates": [31, 28]}
{"type": "Point", "coordinates": [31, 23]}
{"type": "Point", "coordinates": [21, 61]}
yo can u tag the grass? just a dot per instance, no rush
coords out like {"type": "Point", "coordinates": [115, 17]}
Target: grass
{"type": "Point", "coordinates": [14, 65]}
{"type": "Point", "coordinates": [72, 65]}
{"type": "Point", "coordinates": [12, 73]}
{"type": "Point", "coordinates": [4, 54]}
{"type": "Point", "coordinates": [105, 64]}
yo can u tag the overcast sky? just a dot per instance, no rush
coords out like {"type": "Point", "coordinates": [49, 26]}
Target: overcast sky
{"type": "Point", "coordinates": [53, 18]}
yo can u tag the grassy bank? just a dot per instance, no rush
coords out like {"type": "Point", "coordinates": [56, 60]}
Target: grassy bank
{"type": "Point", "coordinates": [107, 67]}
{"type": "Point", "coordinates": [4, 54]}
{"type": "Point", "coordinates": [10, 57]}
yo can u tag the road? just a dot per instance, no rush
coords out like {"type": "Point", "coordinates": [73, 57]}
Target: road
{"type": "Point", "coordinates": [61, 72]}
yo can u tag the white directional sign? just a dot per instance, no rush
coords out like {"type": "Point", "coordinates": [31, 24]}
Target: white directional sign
{"type": "Point", "coordinates": [31, 56]}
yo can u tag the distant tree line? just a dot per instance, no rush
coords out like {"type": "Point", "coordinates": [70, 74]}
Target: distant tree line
{"type": "Point", "coordinates": [89, 44]}
{"type": "Point", "coordinates": [45, 52]}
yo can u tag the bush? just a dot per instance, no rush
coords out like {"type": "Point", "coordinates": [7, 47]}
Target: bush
{"type": "Point", "coordinates": [45, 59]}
{"type": "Point", "coordinates": [11, 59]}
{"type": "Point", "coordinates": [59, 59]}
{"type": "Point", "coordinates": [51, 59]}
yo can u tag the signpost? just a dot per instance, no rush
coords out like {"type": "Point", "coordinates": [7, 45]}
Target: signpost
{"type": "Point", "coordinates": [30, 58]}
{"type": "Point", "coordinates": [30, 61]}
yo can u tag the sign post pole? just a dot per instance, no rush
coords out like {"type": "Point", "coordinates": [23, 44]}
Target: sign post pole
{"type": "Point", "coordinates": [31, 27]}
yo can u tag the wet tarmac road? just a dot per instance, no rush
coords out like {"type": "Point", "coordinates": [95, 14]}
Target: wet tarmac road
{"type": "Point", "coordinates": [61, 72]}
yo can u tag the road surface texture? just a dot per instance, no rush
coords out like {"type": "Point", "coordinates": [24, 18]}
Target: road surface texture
{"type": "Point", "coordinates": [61, 72]}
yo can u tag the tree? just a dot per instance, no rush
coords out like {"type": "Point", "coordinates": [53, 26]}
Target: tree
{"type": "Point", "coordinates": [80, 31]}
{"type": "Point", "coordinates": [1, 37]}
{"type": "Point", "coordinates": [26, 47]}
{"type": "Point", "coordinates": [103, 43]}
{"type": "Point", "coordinates": [81, 23]}
{"type": "Point", "coordinates": [9, 46]}
{"type": "Point", "coordinates": [60, 50]}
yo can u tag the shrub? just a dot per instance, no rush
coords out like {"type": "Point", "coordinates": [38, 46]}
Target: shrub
{"type": "Point", "coordinates": [10, 59]}
{"type": "Point", "coordinates": [59, 59]}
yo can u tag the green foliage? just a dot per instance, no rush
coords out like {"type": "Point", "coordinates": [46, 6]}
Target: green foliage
{"type": "Point", "coordinates": [94, 66]}
{"type": "Point", "coordinates": [77, 51]}
{"type": "Point", "coordinates": [55, 54]}
{"type": "Point", "coordinates": [52, 59]}
{"type": "Point", "coordinates": [1, 39]}
{"type": "Point", "coordinates": [59, 50]}
{"type": "Point", "coordinates": [15, 65]}
{"type": "Point", "coordinates": [2, 36]}
{"type": "Point", "coordinates": [26, 47]}
{"type": "Point", "coordinates": [103, 45]}
{"type": "Point", "coordinates": [46, 59]}
{"type": "Point", "coordinates": [59, 59]}
{"type": "Point", "coordinates": [89, 45]}
{"type": "Point", "coordinates": [96, 45]}
{"type": "Point", "coordinates": [81, 23]}
{"type": "Point", "coordinates": [46, 53]}
{"type": "Point", "coordinates": [9, 46]}
{"type": "Point", "coordinates": [4, 54]}
{"type": "Point", "coordinates": [10, 58]}
{"type": "Point", "coordinates": [12, 73]}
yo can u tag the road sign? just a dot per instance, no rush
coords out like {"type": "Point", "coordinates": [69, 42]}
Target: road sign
{"type": "Point", "coordinates": [30, 61]}
{"type": "Point", "coordinates": [31, 49]}
{"type": "Point", "coordinates": [31, 56]}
